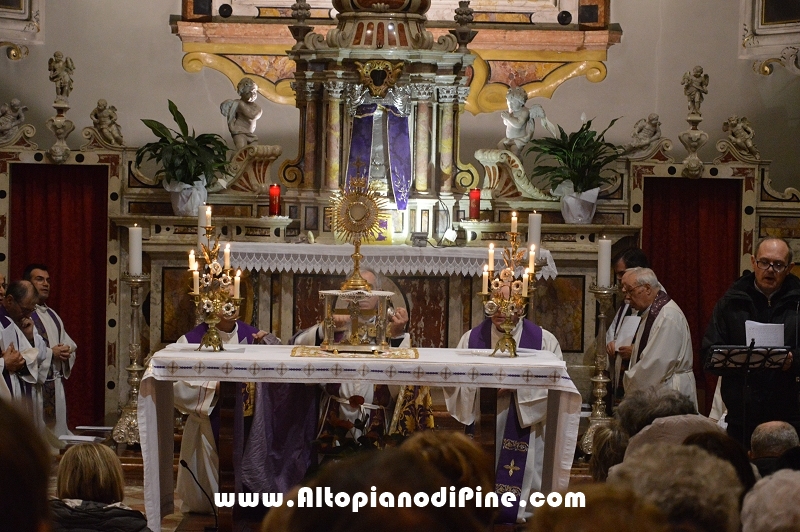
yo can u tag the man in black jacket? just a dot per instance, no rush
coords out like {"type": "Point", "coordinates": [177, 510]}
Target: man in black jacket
{"type": "Point", "coordinates": [770, 294]}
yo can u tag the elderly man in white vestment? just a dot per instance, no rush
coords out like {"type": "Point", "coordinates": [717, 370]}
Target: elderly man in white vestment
{"type": "Point", "coordinates": [662, 348]}
{"type": "Point", "coordinates": [60, 352]}
{"type": "Point", "coordinates": [529, 409]}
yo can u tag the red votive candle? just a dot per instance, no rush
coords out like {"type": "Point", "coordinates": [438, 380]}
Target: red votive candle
{"type": "Point", "coordinates": [274, 200]}
{"type": "Point", "coordinates": [475, 204]}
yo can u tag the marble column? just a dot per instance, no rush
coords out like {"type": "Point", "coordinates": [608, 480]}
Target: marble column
{"type": "Point", "coordinates": [422, 93]}
{"type": "Point", "coordinates": [447, 97]}
{"type": "Point", "coordinates": [310, 94]}
{"type": "Point", "coordinates": [333, 134]}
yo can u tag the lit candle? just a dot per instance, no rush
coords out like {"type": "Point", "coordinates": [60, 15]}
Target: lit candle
{"type": "Point", "coordinates": [535, 229]}
{"type": "Point", "coordinates": [491, 257]}
{"type": "Point", "coordinates": [135, 250]}
{"type": "Point", "coordinates": [274, 200]}
{"type": "Point", "coordinates": [604, 262]}
{"type": "Point", "coordinates": [191, 260]}
{"type": "Point", "coordinates": [532, 258]}
{"type": "Point", "coordinates": [227, 255]}
{"type": "Point", "coordinates": [513, 222]}
{"type": "Point", "coordinates": [525, 282]}
{"type": "Point", "coordinates": [196, 281]}
{"type": "Point", "coordinates": [475, 204]}
{"type": "Point", "coordinates": [237, 283]}
{"type": "Point", "coordinates": [208, 215]}
{"type": "Point", "coordinates": [485, 283]}
{"type": "Point", "coordinates": [202, 221]}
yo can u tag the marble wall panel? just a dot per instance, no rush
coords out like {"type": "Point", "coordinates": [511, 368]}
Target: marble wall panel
{"type": "Point", "coordinates": [428, 301]}
{"type": "Point", "coordinates": [559, 307]}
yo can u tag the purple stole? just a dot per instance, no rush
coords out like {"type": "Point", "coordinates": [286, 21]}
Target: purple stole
{"type": "Point", "coordinates": [49, 385]}
{"type": "Point", "coordinates": [516, 439]}
{"type": "Point", "coordinates": [662, 298]}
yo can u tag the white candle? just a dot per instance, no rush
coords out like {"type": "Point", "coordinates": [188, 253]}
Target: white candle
{"type": "Point", "coordinates": [196, 281]}
{"type": "Point", "coordinates": [485, 283]}
{"type": "Point", "coordinates": [237, 283]}
{"type": "Point", "coordinates": [135, 250]}
{"type": "Point", "coordinates": [525, 282]}
{"type": "Point", "coordinates": [604, 262]}
{"type": "Point", "coordinates": [491, 257]}
{"type": "Point", "coordinates": [513, 222]}
{"type": "Point", "coordinates": [227, 256]}
{"type": "Point", "coordinates": [208, 215]}
{"type": "Point", "coordinates": [202, 221]}
{"type": "Point", "coordinates": [191, 260]}
{"type": "Point", "coordinates": [535, 229]}
{"type": "Point", "coordinates": [532, 258]}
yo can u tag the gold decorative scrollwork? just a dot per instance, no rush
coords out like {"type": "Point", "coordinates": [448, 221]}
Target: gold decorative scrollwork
{"type": "Point", "coordinates": [15, 51]}
{"type": "Point", "coordinates": [379, 75]}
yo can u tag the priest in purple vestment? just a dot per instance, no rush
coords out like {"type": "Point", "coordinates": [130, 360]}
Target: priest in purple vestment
{"type": "Point", "coordinates": [520, 414]}
{"type": "Point", "coordinates": [277, 450]}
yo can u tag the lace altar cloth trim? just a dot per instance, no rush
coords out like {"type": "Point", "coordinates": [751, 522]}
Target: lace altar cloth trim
{"type": "Point", "coordinates": [315, 352]}
{"type": "Point", "coordinates": [329, 258]}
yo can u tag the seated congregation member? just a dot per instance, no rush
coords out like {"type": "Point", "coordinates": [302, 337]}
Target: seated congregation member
{"type": "Point", "coordinates": [520, 414]}
{"type": "Point", "coordinates": [697, 491]}
{"type": "Point", "coordinates": [608, 449]}
{"type": "Point", "coordinates": [90, 489]}
{"type": "Point", "coordinates": [723, 446]}
{"type": "Point", "coordinates": [282, 426]}
{"type": "Point", "coordinates": [23, 361]}
{"type": "Point", "coordinates": [24, 470]}
{"type": "Point", "coordinates": [639, 409]}
{"type": "Point", "coordinates": [768, 442]}
{"type": "Point", "coordinates": [662, 348]}
{"type": "Point", "coordinates": [771, 506]}
{"type": "Point", "coordinates": [352, 401]}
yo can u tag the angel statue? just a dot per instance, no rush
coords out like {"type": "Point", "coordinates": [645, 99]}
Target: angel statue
{"type": "Point", "coordinates": [242, 114]}
{"type": "Point", "coordinates": [12, 117]}
{"type": "Point", "coordinates": [520, 121]}
{"type": "Point", "coordinates": [695, 85]}
{"type": "Point", "coordinates": [740, 134]}
{"type": "Point", "coordinates": [104, 118]}
{"type": "Point", "coordinates": [61, 69]}
{"type": "Point", "coordinates": [645, 132]}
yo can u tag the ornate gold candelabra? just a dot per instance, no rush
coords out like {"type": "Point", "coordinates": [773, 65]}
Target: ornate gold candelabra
{"type": "Point", "coordinates": [127, 428]}
{"type": "Point", "coordinates": [598, 417]}
{"type": "Point", "coordinates": [212, 289]}
{"type": "Point", "coordinates": [509, 292]}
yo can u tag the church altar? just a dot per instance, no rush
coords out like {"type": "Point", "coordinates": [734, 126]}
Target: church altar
{"type": "Point", "coordinates": [434, 367]}
{"type": "Point", "coordinates": [335, 258]}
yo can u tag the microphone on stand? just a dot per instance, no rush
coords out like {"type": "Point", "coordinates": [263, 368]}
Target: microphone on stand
{"type": "Point", "coordinates": [215, 528]}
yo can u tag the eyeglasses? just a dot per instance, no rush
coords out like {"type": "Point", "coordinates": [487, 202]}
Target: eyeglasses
{"type": "Point", "coordinates": [631, 289]}
{"type": "Point", "coordinates": [764, 264]}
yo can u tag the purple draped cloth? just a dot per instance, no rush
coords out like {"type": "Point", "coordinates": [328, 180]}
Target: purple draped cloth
{"type": "Point", "coordinates": [516, 439]}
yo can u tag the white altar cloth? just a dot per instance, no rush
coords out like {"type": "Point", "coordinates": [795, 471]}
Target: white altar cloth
{"type": "Point", "coordinates": [260, 363]}
{"type": "Point", "coordinates": [335, 258]}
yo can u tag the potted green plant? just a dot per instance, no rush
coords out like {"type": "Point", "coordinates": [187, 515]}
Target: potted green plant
{"type": "Point", "coordinates": [581, 169]}
{"type": "Point", "coordinates": [189, 163]}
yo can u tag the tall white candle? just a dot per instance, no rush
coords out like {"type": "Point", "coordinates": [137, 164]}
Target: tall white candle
{"type": "Point", "coordinates": [525, 282]}
{"type": "Point", "coordinates": [202, 221]}
{"type": "Point", "coordinates": [604, 262]}
{"type": "Point", "coordinates": [535, 229]}
{"type": "Point", "coordinates": [195, 281]}
{"type": "Point", "coordinates": [237, 283]}
{"type": "Point", "coordinates": [191, 260]}
{"type": "Point", "coordinates": [513, 222]}
{"type": "Point", "coordinates": [135, 250]}
{"type": "Point", "coordinates": [532, 258]}
{"type": "Point", "coordinates": [485, 282]}
{"type": "Point", "coordinates": [227, 255]}
{"type": "Point", "coordinates": [208, 215]}
{"type": "Point", "coordinates": [491, 257]}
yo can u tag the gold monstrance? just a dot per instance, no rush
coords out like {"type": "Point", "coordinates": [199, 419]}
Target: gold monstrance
{"type": "Point", "coordinates": [355, 215]}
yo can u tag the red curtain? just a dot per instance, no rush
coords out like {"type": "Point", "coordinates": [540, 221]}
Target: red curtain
{"type": "Point", "coordinates": [691, 236]}
{"type": "Point", "coordinates": [59, 217]}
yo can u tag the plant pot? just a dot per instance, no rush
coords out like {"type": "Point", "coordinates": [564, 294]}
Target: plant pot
{"type": "Point", "coordinates": [186, 199]}
{"type": "Point", "coordinates": [579, 208]}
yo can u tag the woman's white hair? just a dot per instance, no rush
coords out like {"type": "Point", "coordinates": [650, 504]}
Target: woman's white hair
{"type": "Point", "coordinates": [771, 506]}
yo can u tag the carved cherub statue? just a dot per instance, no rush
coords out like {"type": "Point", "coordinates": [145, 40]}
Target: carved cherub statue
{"type": "Point", "coordinates": [645, 132]}
{"type": "Point", "coordinates": [740, 134]}
{"type": "Point", "coordinates": [242, 114]}
{"type": "Point", "coordinates": [104, 118]}
{"type": "Point", "coordinates": [695, 85]}
{"type": "Point", "coordinates": [12, 116]}
{"type": "Point", "coordinates": [520, 121]}
{"type": "Point", "coordinates": [61, 69]}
